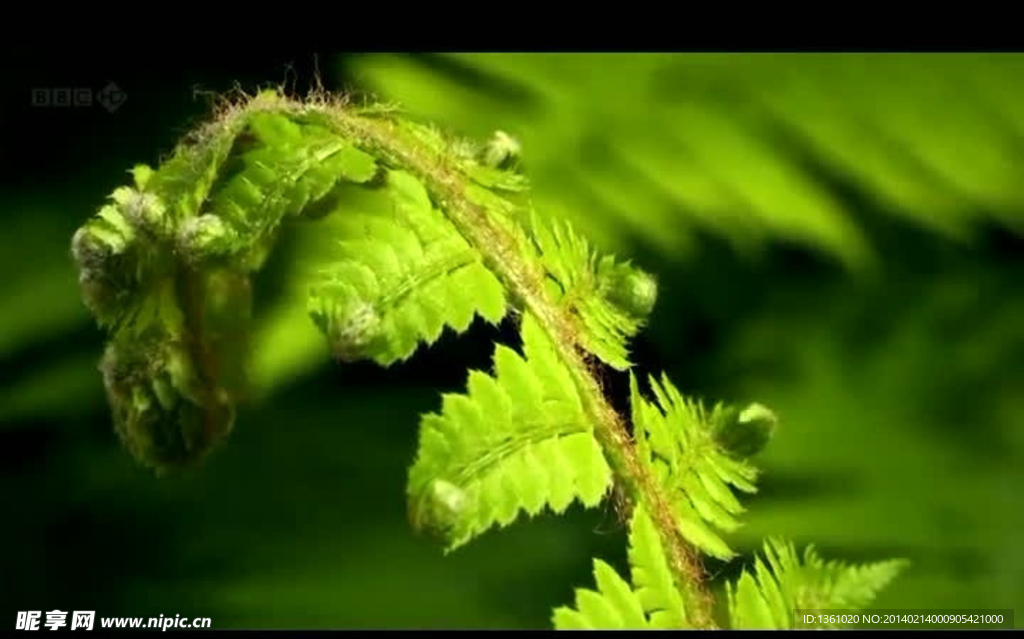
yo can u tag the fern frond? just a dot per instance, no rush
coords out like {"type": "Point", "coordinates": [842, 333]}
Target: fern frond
{"type": "Point", "coordinates": [610, 300]}
{"type": "Point", "coordinates": [516, 442]}
{"type": "Point", "coordinates": [682, 443]}
{"type": "Point", "coordinates": [652, 601]}
{"type": "Point", "coordinates": [768, 598]}
{"type": "Point", "coordinates": [401, 278]}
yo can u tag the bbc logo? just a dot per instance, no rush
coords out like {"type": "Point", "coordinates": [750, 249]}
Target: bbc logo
{"type": "Point", "coordinates": [110, 97]}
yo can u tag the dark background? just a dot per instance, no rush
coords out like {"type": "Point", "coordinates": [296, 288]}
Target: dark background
{"type": "Point", "coordinates": [839, 239]}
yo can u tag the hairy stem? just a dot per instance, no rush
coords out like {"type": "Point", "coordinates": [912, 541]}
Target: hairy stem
{"type": "Point", "coordinates": [524, 280]}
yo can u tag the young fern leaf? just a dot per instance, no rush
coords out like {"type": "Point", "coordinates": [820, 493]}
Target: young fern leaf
{"type": "Point", "coordinates": [170, 370]}
{"type": "Point", "coordinates": [402, 277]}
{"type": "Point", "coordinates": [682, 444]}
{"type": "Point", "coordinates": [609, 300]}
{"type": "Point", "coordinates": [281, 168]}
{"type": "Point", "coordinates": [165, 268]}
{"type": "Point", "coordinates": [651, 602]}
{"type": "Point", "coordinates": [768, 599]}
{"type": "Point", "coordinates": [516, 442]}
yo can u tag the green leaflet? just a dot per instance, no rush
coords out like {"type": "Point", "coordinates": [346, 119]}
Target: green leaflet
{"type": "Point", "coordinates": [652, 602]}
{"type": "Point", "coordinates": [610, 300]}
{"type": "Point", "coordinates": [283, 168]}
{"type": "Point", "coordinates": [652, 578]}
{"type": "Point", "coordinates": [109, 263]}
{"type": "Point", "coordinates": [767, 598]}
{"type": "Point", "coordinates": [184, 181]}
{"type": "Point", "coordinates": [401, 278]}
{"type": "Point", "coordinates": [515, 442]}
{"type": "Point", "coordinates": [679, 440]}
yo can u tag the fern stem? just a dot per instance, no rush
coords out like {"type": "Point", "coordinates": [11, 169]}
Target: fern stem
{"type": "Point", "coordinates": [448, 188]}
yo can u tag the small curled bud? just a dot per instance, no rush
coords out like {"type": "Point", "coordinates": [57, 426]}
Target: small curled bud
{"type": "Point", "coordinates": [91, 250]}
{"type": "Point", "coordinates": [440, 509]}
{"type": "Point", "coordinates": [448, 498]}
{"type": "Point", "coordinates": [634, 291]}
{"type": "Point", "coordinates": [99, 248]}
{"type": "Point", "coordinates": [351, 330]}
{"type": "Point", "coordinates": [145, 211]}
{"type": "Point", "coordinates": [106, 235]}
{"type": "Point", "coordinates": [502, 151]}
{"type": "Point", "coordinates": [746, 432]}
{"type": "Point", "coordinates": [756, 412]}
{"type": "Point", "coordinates": [205, 236]}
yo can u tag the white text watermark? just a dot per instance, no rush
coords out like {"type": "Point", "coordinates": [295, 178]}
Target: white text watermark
{"type": "Point", "coordinates": [86, 620]}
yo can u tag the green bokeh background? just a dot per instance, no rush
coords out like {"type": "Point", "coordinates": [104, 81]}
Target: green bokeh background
{"type": "Point", "coordinates": [836, 236]}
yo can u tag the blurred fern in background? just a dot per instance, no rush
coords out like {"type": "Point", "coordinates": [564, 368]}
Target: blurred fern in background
{"type": "Point", "coordinates": [835, 235]}
{"type": "Point", "coordinates": [662, 147]}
